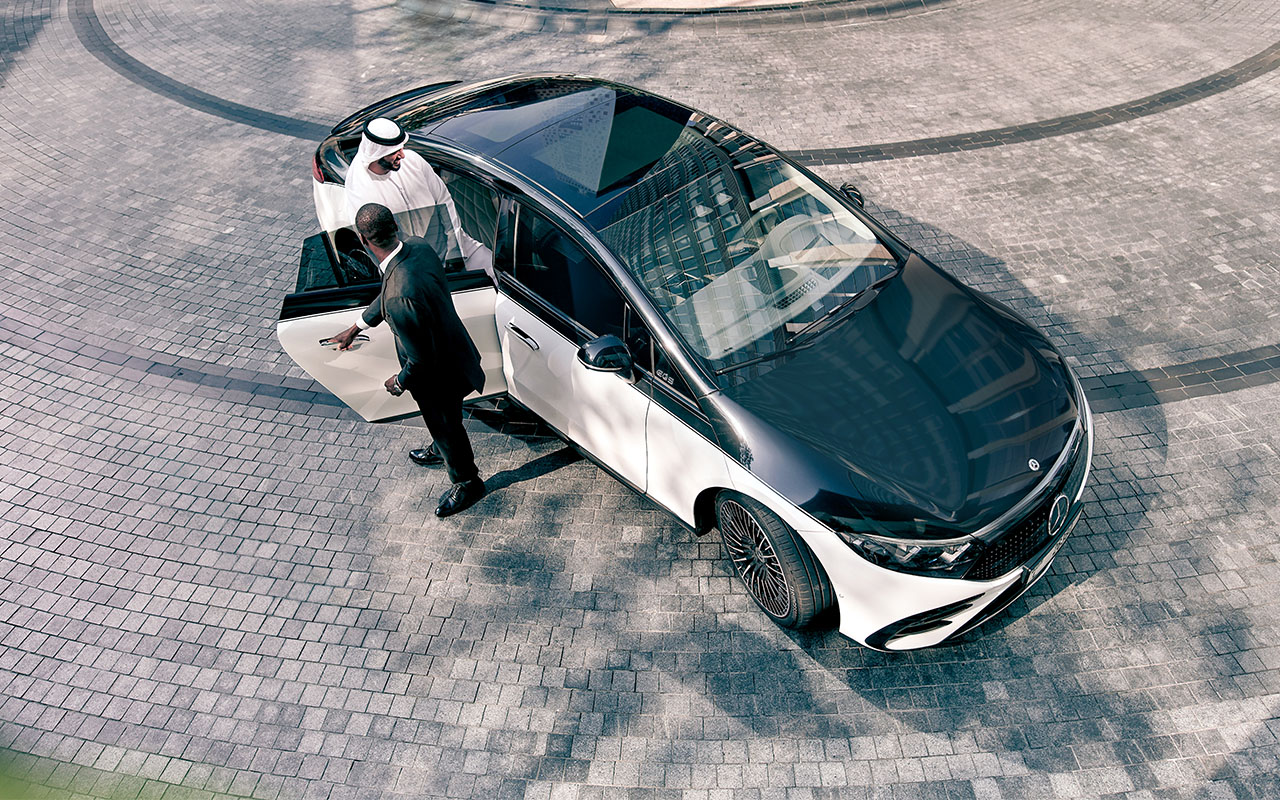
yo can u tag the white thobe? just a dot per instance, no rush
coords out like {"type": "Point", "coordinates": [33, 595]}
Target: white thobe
{"type": "Point", "coordinates": [414, 187]}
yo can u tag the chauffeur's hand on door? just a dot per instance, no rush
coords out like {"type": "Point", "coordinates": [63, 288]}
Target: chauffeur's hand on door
{"type": "Point", "coordinates": [343, 340]}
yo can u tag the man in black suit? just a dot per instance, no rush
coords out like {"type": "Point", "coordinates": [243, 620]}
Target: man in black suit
{"type": "Point", "coordinates": [439, 363]}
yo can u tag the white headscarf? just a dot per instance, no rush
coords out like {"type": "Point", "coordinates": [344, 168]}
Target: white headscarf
{"type": "Point", "coordinates": [381, 138]}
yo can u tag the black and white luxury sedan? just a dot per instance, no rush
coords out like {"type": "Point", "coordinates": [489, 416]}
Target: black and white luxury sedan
{"type": "Point", "coordinates": [728, 335]}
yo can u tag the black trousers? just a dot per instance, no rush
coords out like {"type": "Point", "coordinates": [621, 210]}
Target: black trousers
{"type": "Point", "coordinates": [444, 421]}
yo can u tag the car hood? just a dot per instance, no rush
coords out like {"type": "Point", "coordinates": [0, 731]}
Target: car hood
{"type": "Point", "coordinates": [932, 410]}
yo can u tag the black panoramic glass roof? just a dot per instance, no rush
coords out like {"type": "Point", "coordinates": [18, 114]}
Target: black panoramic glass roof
{"type": "Point", "coordinates": [741, 251]}
{"type": "Point", "coordinates": [583, 141]}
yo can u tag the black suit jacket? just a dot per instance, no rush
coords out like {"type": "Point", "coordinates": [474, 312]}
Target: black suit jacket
{"type": "Point", "coordinates": [438, 360]}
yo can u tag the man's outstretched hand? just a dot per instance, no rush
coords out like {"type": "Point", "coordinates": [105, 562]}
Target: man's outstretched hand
{"type": "Point", "coordinates": [343, 340]}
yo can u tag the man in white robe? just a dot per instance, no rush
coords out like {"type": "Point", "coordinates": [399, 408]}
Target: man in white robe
{"type": "Point", "coordinates": [384, 172]}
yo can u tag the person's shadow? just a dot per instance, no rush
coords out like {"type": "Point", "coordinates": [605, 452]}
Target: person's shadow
{"type": "Point", "coordinates": [544, 464]}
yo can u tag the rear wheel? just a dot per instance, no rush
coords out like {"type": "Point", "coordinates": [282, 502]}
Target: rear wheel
{"type": "Point", "coordinates": [775, 565]}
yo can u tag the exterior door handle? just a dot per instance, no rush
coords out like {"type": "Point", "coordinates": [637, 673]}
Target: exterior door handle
{"type": "Point", "coordinates": [522, 336]}
{"type": "Point", "coordinates": [359, 338]}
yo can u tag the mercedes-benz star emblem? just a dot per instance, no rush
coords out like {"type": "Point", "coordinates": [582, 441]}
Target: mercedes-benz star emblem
{"type": "Point", "coordinates": [1058, 514]}
{"type": "Point", "coordinates": [1033, 465]}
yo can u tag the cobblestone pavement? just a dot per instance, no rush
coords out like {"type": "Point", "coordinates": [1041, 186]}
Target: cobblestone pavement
{"type": "Point", "coordinates": [215, 581]}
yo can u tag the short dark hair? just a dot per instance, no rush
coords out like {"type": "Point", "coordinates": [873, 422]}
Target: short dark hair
{"type": "Point", "coordinates": [376, 224]}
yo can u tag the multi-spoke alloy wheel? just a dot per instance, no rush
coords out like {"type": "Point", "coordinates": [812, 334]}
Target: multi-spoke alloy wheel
{"type": "Point", "coordinates": [780, 573]}
{"type": "Point", "coordinates": [754, 559]}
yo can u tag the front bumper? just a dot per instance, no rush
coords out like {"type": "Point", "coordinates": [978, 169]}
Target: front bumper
{"type": "Point", "coordinates": [937, 625]}
{"type": "Point", "coordinates": [888, 610]}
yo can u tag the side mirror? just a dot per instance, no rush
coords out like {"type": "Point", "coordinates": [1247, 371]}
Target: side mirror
{"type": "Point", "coordinates": [852, 192]}
{"type": "Point", "coordinates": [606, 354]}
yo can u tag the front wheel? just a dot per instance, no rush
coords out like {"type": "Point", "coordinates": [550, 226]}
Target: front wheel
{"type": "Point", "coordinates": [775, 565]}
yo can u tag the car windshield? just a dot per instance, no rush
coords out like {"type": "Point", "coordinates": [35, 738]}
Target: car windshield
{"type": "Point", "coordinates": [744, 252]}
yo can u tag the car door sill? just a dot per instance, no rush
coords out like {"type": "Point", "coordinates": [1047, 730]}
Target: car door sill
{"type": "Point", "coordinates": [465, 403]}
{"type": "Point", "coordinates": [605, 467]}
{"type": "Point", "coordinates": [559, 435]}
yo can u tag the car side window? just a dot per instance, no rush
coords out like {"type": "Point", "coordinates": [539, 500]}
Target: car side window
{"type": "Point", "coordinates": [664, 370]}
{"type": "Point", "coordinates": [555, 268]}
{"type": "Point", "coordinates": [649, 356]}
{"type": "Point", "coordinates": [476, 203]}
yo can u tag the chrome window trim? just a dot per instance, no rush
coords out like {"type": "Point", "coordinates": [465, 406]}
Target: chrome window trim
{"type": "Point", "coordinates": [541, 306]}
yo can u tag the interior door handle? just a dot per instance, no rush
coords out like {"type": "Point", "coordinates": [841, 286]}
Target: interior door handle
{"type": "Point", "coordinates": [522, 336]}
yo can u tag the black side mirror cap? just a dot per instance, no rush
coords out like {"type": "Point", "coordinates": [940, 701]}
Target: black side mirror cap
{"type": "Point", "coordinates": [852, 192]}
{"type": "Point", "coordinates": [606, 354]}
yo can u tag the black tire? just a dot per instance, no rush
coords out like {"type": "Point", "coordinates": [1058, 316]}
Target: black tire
{"type": "Point", "coordinates": [775, 565]}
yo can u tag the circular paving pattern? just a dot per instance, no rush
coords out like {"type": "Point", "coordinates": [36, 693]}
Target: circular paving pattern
{"type": "Point", "coordinates": [215, 581]}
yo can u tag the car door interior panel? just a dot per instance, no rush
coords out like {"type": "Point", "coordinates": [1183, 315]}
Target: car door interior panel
{"type": "Point", "coordinates": [326, 304]}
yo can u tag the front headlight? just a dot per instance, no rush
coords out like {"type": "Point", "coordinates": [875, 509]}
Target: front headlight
{"type": "Point", "coordinates": [941, 559]}
{"type": "Point", "coordinates": [915, 547]}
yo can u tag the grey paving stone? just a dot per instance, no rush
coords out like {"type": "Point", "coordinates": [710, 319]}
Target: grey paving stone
{"type": "Point", "coordinates": [215, 583]}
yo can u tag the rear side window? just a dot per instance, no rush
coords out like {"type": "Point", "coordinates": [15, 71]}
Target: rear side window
{"type": "Point", "coordinates": [477, 205]}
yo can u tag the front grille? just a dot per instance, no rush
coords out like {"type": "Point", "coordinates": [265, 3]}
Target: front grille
{"type": "Point", "coordinates": [1015, 547]}
{"type": "Point", "coordinates": [1010, 550]}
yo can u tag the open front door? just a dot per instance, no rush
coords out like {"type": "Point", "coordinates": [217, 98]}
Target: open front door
{"type": "Point", "coordinates": [333, 291]}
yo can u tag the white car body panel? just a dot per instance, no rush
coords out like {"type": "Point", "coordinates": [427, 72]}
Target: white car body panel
{"type": "Point", "coordinates": [870, 597]}
{"type": "Point", "coordinates": [535, 377]}
{"type": "Point", "coordinates": [356, 376]}
{"type": "Point", "coordinates": [610, 422]}
{"type": "Point", "coordinates": [599, 411]}
{"type": "Point", "coordinates": [682, 463]}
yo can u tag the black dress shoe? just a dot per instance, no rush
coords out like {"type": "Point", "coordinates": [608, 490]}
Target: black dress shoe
{"type": "Point", "coordinates": [426, 458]}
{"type": "Point", "coordinates": [460, 496]}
